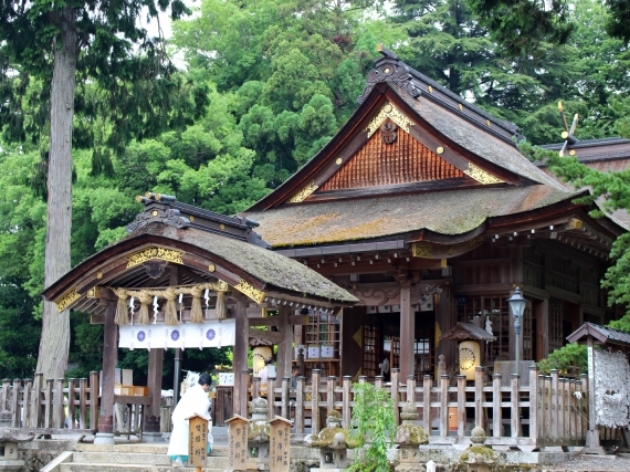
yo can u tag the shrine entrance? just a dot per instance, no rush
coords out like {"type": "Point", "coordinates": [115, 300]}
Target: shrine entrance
{"type": "Point", "coordinates": [188, 278]}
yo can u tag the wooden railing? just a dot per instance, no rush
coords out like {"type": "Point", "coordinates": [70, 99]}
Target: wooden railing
{"type": "Point", "coordinates": [546, 411]}
{"type": "Point", "coordinates": [51, 404]}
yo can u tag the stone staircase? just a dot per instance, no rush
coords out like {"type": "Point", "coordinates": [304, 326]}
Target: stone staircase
{"type": "Point", "coordinates": [139, 457]}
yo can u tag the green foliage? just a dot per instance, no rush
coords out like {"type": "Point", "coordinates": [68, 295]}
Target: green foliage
{"type": "Point", "coordinates": [374, 424]}
{"type": "Point", "coordinates": [293, 70]}
{"type": "Point", "coordinates": [567, 359]}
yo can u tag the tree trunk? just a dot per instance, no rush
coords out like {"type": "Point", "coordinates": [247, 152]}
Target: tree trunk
{"type": "Point", "coordinates": [55, 341]}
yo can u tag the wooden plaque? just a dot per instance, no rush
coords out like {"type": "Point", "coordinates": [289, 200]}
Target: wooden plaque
{"type": "Point", "coordinates": [280, 445]}
{"type": "Point", "coordinates": [238, 429]}
{"type": "Point", "coordinates": [198, 440]}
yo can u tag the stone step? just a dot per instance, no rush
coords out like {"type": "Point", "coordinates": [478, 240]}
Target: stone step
{"type": "Point", "coordinates": [88, 467]}
{"type": "Point", "coordinates": [117, 457]}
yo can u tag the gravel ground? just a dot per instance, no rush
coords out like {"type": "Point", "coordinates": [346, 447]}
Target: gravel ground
{"type": "Point", "coordinates": [592, 464]}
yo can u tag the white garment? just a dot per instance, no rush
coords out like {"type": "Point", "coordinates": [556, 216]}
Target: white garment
{"type": "Point", "coordinates": [195, 402]}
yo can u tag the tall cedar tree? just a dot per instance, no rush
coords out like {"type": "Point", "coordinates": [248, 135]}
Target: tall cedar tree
{"type": "Point", "coordinates": [95, 42]}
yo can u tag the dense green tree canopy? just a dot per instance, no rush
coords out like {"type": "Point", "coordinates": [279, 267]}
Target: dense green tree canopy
{"type": "Point", "coordinates": [265, 86]}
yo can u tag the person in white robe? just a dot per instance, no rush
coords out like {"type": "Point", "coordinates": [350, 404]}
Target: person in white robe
{"type": "Point", "coordinates": [194, 402]}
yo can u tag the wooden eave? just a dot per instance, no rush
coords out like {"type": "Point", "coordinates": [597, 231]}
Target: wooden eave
{"type": "Point", "coordinates": [352, 136]}
{"type": "Point", "coordinates": [110, 267]}
{"type": "Point", "coordinates": [600, 335]}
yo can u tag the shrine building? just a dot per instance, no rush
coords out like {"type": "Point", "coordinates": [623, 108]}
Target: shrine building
{"type": "Point", "coordinates": [423, 208]}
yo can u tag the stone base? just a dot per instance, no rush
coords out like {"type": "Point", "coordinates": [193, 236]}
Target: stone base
{"type": "Point", "coordinates": [152, 437]}
{"type": "Point", "coordinates": [104, 438]}
{"type": "Point", "coordinates": [11, 465]}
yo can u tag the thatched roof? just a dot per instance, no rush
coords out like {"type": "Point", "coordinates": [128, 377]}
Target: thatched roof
{"type": "Point", "coordinates": [448, 212]}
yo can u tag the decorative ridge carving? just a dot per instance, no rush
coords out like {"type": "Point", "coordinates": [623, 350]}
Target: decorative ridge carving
{"type": "Point", "coordinates": [303, 194]}
{"type": "Point", "coordinates": [481, 175]}
{"type": "Point", "coordinates": [390, 69]}
{"type": "Point", "coordinates": [67, 299]}
{"type": "Point", "coordinates": [169, 216]}
{"type": "Point", "coordinates": [389, 111]}
{"type": "Point", "coordinates": [251, 292]}
{"type": "Point", "coordinates": [140, 257]}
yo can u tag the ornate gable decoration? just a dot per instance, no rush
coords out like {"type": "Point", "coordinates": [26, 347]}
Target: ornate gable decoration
{"type": "Point", "coordinates": [388, 111]}
{"type": "Point", "coordinates": [303, 194]}
{"type": "Point", "coordinates": [403, 160]}
{"type": "Point", "coordinates": [168, 255]}
{"type": "Point", "coordinates": [481, 175]}
{"type": "Point", "coordinates": [389, 69]}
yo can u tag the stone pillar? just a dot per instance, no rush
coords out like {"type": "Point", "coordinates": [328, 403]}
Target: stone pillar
{"type": "Point", "coordinates": [407, 331]}
{"type": "Point", "coordinates": [241, 347]}
{"type": "Point", "coordinates": [105, 433]}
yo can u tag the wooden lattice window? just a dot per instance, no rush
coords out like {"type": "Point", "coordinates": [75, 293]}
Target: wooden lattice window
{"type": "Point", "coordinates": [323, 334]}
{"type": "Point", "coordinates": [556, 315]}
{"type": "Point", "coordinates": [371, 350]}
{"type": "Point", "coordinates": [497, 310]}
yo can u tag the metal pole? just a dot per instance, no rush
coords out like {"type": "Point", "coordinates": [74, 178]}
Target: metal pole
{"type": "Point", "coordinates": [177, 368]}
{"type": "Point", "coordinates": [517, 344]}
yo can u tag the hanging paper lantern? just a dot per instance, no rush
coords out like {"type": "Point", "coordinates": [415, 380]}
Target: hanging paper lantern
{"type": "Point", "coordinates": [469, 358]}
{"type": "Point", "coordinates": [260, 354]}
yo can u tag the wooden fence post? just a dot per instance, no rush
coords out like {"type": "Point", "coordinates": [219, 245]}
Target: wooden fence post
{"type": "Point", "coordinates": [515, 413]}
{"type": "Point", "coordinates": [497, 418]}
{"type": "Point", "coordinates": [285, 411]}
{"type": "Point", "coordinates": [256, 387]}
{"type": "Point", "coordinates": [299, 407]}
{"type": "Point", "coordinates": [4, 394]}
{"type": "Point", "coordinates": [36, 401]}
{"type": "Point", "coordinates": [94, 396]}
{"type": "Point", "coordinates": [271, 397]}
{"type": "Point", "coordinates": [15, 403]}
{"type": "Point", "coordinates": [479, 398]}
{"type": "Point", "coordinates": [315, 415]}
{"type": "Point", "coordinates": [426, 403]}
{"type": "Point", "coordinates": [553, 423]}
{"type": "Point", "coordinates": [58, 412]}
{"type": "Point", "coordinates": [395, 379]}
{"type": "Point", "coordinates": [444, 381]}
{"type": "Point", "coordinates": [71, 401]}
{"type": "Point", "coordinates": [48, 403]}
{"type": "Point", "coordinates": [461, 405]}
{"type": "Point", "coordinates": [533, 404]}
{"type": "Point", "coordinates": [411, 389]}
{"type": "Point", "coordinates": [346, 411]}
{"type": "Point", "coordinates": [584, 406]}
{"type": "Point", "coordinates": [331, 383]}
{"type": "Point", "coordinates": [26, 402]}
{"type": "Point", "coordinates": [83, 402]}
{"type": "Point", "coordinates": [245, 392]}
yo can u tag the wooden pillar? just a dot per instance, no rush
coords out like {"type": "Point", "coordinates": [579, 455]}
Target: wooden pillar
{"type": "Point", "coordinates": [443, 322]}
{"type": "Point", "coordinates": [110, 354]}
{"type": "Point", "coordinates": [241, 346]}
{"type": "Point", "coordinates": [407, 331]}
{"type": "Point", "coordinates": [154, 382]}
{"type": "Point", "coordinates": [542, 328]}
{"type": "Point", "coordinates": [285, 348]}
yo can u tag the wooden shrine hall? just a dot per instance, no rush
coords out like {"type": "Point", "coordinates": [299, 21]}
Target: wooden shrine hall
{"type": "Point", "coordinates": [423, 207]}
{"type": "Point", "coordinates": [189, 278]}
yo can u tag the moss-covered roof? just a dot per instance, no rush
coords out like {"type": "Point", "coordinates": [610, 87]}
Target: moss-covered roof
{"type": "Point", "coordinates": [267, 266]}
{"type": "Point", "coordinates": [476, 140]}
{"type": "Point", "coordinates": [448, 212]}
